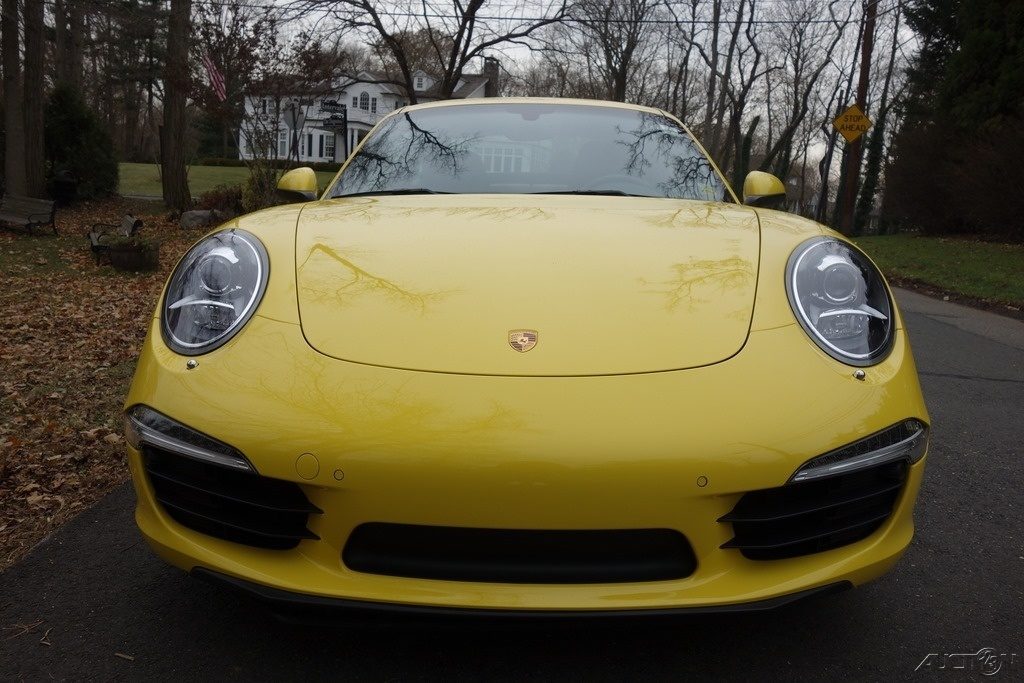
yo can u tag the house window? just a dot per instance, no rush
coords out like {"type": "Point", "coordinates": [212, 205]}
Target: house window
{"type": "Point", "coordinates": [355, 102]}
{"type": "Point", "coordinates": [282, 143]}
{"type": "Point", "coordinates": [364, 101]}
{"type": "Point", "coordinates": [419, 83]}
{"type": "Point", "coordinates": [309, 144]}
{"type": "Point", "coordinates": [373, 105]}
{"type": "Point", "coordinates": [328, 143]}
{"type": "Point", "coordinates": [501, 159]}
{"type": "Point", "coordinates": [263, 106]}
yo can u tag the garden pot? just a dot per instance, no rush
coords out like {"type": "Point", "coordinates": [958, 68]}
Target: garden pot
{"type": "Point", "coordinates": [143, 257]}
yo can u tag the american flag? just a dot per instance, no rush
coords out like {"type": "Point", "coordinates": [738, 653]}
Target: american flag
{"type": "Point", "coordinates": [216, 77]}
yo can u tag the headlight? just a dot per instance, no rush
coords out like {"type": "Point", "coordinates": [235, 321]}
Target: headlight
{"type": "Point", "coordinates": [840, 300]}
{"type": "Point", "coordinates": [214, 291]}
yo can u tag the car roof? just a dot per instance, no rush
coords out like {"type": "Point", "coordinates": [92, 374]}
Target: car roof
{"type": "Point", "coordinates": [532, 100]}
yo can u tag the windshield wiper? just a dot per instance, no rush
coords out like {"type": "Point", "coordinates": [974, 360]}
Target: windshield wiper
{"type": "Point", "coordinates": [606, 193]}
{"type": "Point", "coordinates": [404, 190]}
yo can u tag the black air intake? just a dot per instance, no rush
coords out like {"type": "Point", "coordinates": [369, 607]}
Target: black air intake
{"type": "Point", "coordinates": [229, 504]}
{"type": "Point", "coordinates": [810, 517]}
{"type": "Point", "coordinates": [519, 556]}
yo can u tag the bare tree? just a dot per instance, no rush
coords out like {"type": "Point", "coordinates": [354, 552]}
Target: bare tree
{"type": "Point", "coordinates": [14, 122]}
{"type": "Point", "coordinates": [615, 34]}
{"type": "Point", "coordinates": [807, 48]}
{"type": "Point", "coordinates": [176, 86]}
{"type": "Point", "coordinates": [68, 28]}
{"type": "Point", "coordinates": [876, 141]}
{"type": "Point", "coordinates": [235, 38]}
{"type": "Point", "coordinates": [457, 33]}
{"type": "Point", "coordinates": [35, 180]}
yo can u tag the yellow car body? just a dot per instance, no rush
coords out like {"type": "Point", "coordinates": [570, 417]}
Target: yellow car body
{"type": "Point", "coordinates": [669, 377]}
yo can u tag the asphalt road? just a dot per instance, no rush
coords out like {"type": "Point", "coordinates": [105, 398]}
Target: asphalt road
{"type": "Point", "coordinates": [96, 592]}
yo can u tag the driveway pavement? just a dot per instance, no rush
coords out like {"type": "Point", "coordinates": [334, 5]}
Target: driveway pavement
{"type": "Point", "coordinates": [110, 610]}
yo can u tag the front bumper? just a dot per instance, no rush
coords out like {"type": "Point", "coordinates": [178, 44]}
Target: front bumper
{"type": "Point", "coordinates": [302, 607]}
{"type": "Point", "coordinates": [669, 450]}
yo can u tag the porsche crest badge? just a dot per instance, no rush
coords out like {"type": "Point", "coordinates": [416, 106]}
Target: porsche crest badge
{"type": "Point", "coordinates": [522, 340]}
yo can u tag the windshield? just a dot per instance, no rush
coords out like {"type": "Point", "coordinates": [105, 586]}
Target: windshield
{"type": "Point", "coordinates": [531, 148]}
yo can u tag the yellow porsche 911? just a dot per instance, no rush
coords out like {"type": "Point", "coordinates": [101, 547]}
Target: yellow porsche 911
{"type": "Point", "coordinates": [528, 357]}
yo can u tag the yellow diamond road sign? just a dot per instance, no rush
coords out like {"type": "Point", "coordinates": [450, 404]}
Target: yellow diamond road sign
{"type": "Point", "coordinates": [852, 123]}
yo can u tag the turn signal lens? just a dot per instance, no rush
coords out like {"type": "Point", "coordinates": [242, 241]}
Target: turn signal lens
{"type": "Point", "coordinates": [144, 426]}
{"type": "Point", "coordinates": [906, 440]}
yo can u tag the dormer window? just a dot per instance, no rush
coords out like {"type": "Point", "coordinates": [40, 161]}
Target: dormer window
{"type": "Point", "coordinates": [419, 83]}
{"type": "Point", "coordinates": [364, 101]}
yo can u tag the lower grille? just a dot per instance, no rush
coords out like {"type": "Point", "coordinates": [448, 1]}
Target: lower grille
{"type": "Point", "coordinates": [804, 518]}
{"type": "Point", "coordinates": [519, 556]}
{"type": "Point", "coordinates": [228, 504]}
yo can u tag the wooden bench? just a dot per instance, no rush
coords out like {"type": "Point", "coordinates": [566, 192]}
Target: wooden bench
{"type": "Point", "coordinates": [99, 236]}
{"type": "Point", "coordinates": [26, 212]}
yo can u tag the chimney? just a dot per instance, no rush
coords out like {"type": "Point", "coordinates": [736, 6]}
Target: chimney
{"type": "Point", "coordinates": [492, 69]}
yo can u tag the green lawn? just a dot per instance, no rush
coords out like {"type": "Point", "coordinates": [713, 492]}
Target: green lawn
{"type": "Point", "coordinates": [143, 180]}
{"type": "Point", "coordinates": [979, 270]}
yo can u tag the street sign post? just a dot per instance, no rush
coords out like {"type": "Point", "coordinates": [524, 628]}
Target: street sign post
{"type": "Point", "coordinates": [852, 123]}
{"type": "Point", "coordinates": [332, 106]}
{"type": "Point", "coordinates": [337, 121]}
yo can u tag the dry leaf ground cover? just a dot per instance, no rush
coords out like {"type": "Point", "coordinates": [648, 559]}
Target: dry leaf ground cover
{"type": "Point", "coordinates": [70, 333]}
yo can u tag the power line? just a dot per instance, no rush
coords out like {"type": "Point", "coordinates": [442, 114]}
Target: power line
{"type": "Point", "coordinates": [313, 7]}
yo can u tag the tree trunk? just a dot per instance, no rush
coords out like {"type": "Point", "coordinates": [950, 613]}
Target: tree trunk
{"type": "Point", "coordinates": [60, 41]}
{"type": "Point", "coordinates": [719, 117]}
{"type": "Point", "coordinates": [172, 133]}
{"type": "Point", "coordinates": [35, 180]}
{"type": "Point", "coordinates": [131, 121]}
{"type": "Point", "coordinates": [851, 170]}
{"type": "Point", "coordinates": [14, 114]}
{"type": "Point", "coordinates": [713, 73]}
{"type": "Point", "coordinates": [67, 54]}
{"type": "Point", "coordinates": [876, 142]}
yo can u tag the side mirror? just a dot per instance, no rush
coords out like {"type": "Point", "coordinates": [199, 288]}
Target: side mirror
{"type": "Point", "coordinates": [298, 185]}
{"type": "Point", "coordinates": [764, 190]}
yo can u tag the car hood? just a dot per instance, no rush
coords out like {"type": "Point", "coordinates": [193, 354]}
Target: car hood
{"type": "Point", "coordinates": [610, 285]}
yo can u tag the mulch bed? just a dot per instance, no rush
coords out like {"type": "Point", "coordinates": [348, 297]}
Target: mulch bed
{"type": "Point", "coordinates": [70, 333]}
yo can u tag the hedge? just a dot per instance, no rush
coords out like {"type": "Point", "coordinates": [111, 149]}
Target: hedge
{"type": "Point", "coordinates": [276, 163]}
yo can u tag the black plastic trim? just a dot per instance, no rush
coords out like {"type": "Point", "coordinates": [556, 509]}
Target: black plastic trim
{"type": "Point", "coordinates": [232, 505]}
{"type": "Point", "coordinates": [294, 606]}
{"type": "Point", "coordinates": [308, 508]}
{"type": "Point", "coordinates": [809, 517]}
{"type": "Point", "coordinates": [858, 496]}
{"type": "Point", "coordinates": [305, 534]}
{"type": "Point", "coordinates": [567, 556]}
{"type": "Point", "coordinates": [874, 519]}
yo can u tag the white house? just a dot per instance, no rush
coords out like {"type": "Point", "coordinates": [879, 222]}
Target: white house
{"type": "Point", "coordinates": [301, 126]}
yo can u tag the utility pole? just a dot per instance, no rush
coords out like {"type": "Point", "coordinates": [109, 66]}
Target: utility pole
{"type": "Point", "coordinates": [851, 174]}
